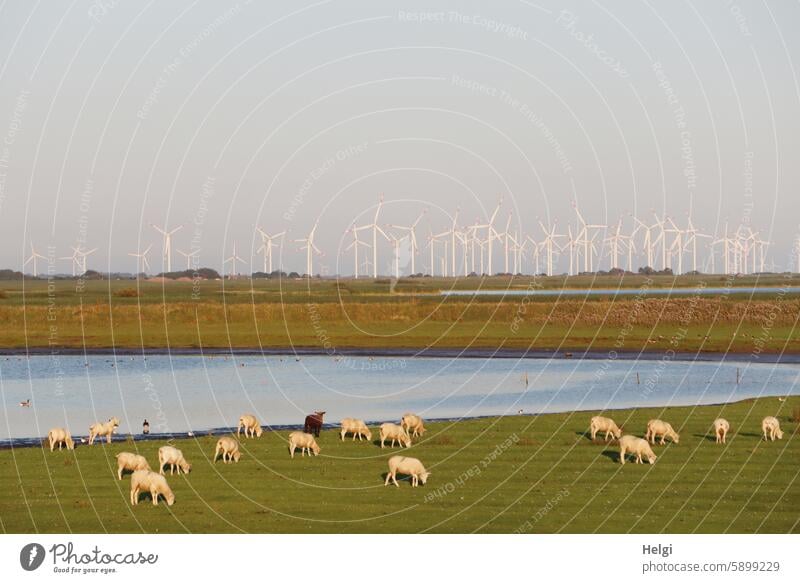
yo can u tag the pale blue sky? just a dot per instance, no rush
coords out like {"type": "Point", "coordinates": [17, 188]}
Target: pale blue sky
{"type": "Point", "coordinates": [113, 115]}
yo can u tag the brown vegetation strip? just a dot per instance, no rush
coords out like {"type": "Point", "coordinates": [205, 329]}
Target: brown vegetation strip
{"type": "Point", "coordinates": [567, 312]}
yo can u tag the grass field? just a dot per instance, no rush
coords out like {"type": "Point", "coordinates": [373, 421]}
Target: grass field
{"type": "Point", "coordinates": [512, 474]}
{"type": "Point", "coordinates": [408, 314]}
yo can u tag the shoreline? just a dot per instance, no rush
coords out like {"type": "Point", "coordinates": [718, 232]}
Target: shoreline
{"type": "Point", "coordinates": [506, 353]}
{"type": "Point", "coordinates": [28, 442]}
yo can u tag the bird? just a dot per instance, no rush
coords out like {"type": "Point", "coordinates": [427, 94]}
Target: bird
{"type": "Point", "coordinates": [25, 403]}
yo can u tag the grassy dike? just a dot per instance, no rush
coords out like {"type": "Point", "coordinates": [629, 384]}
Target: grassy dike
{"type": "Point", "coordinates": [538, 474]}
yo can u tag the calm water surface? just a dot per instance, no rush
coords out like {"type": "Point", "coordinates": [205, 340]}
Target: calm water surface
{"type": "Point", "coordinates": [182, 393]}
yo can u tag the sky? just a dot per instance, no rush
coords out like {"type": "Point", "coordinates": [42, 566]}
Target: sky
{"type": "Point", "coordinates": [220, 118]}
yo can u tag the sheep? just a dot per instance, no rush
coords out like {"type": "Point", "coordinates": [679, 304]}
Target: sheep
{"type": "Point", "coordinates": [60, 436]}
{"type": "Point", "coordinates": [131, 462]}
{"type": "Point", "coordinates": [147, 481]}
{"type": "Point", "coordinates": [355, 426]}
{"type": "Point", "coordinates": [771, 428]}
{"type": "Point", "coordinates": [395, 433]}
{"type": "Point", "coordinates": [305, 441]}
{"type": "Point", "coordinates": [599, 424]}
{"type": "Point", "coordinates": [409, 466]}
{"type": "Point", "coordinates": [656, 428]}
{"type": "Point", "coordinates": [173, 457]}
{"type": "Point", "coordinates": [229, 448]}
{"type": "Point", "coordinates": [636, 446]}
{"type": "Point", "coordinates": [721, 428]}
{"type": "Point", "coordinates": [412, 424]}
{"type": "Point", "coordinates": [103, 429]}
{"type": "Point", "coordinates": [251, 426]}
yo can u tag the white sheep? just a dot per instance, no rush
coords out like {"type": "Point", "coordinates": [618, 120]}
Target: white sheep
{"type": "Point", "coordinates": [147, 481]}
{"type": "Point", "coordinates": [60, 436]}
{"type": "Point", "coordinates": [636, 446]}
{"type": "Point", "coordinates": [656, 428]}
{"type": "Point", "coordinates": [229, 448]}
{"type": "Point", "coordinates": [103, 430]}
{"type": "Point", "coordinates": [395, 433]}
{"type": "Point", "coordinates": [130, 462]}
{"type": "Point", "coordinates": [598, 424]}
{"type": "Point", "coordinates": [771, 428]}
{"type": "Point", "coordinates": [251, 426]}
{"type": "Point", "coordinates": [721, 428]}
{"type": "Point", "coordinates": [412, 424]}
{"type": "Point", "coordinates": [410, 467]}
{"type": "Point", "coordinates": [172, 456]}
{"type": "Point", "coordinates": [304, 441]}
{"type": "Point", "coordinates": [355, 426]}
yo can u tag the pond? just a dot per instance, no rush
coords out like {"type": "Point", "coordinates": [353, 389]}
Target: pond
{"type": "Point", "coordinates": [178, 394]}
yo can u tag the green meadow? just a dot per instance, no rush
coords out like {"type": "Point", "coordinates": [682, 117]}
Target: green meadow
{"type": "Point", "coordinates": [536, 474]}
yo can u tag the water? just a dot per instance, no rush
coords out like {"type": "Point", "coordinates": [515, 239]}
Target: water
{"type": "Point", "coordinates": [624, 291]}
{"type": "Point", "coordinates": [182, 393]}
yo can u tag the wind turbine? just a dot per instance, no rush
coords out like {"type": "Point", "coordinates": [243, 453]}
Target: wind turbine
{"type": "Point", "coordinates": [74, 261]}
{"type": "Point", "coordinates": [432, 240]}
{"type": "Point", "coordinates": [726, 242]}
{"type": "Point", "coordinates": [535, 250]}
{"type": "Point", "coordinates": [548, 242]}
{"type": "Point", "coordinates": [505, 236]}
{"type": "Point", "coordinates": [677, 244]}
{"type": "Point", "coordinates": [662, 239]}
{"type": "Point", "coordinates": [396, 252]}
{"type": "Point", "coordinates": [266, 247]}
{"type": "Point", "coordinates": [615, 239]}
{"type": "Point", "coordinates": [647, 242]}
{"type": "Point", "coordinates": [79, 259]}
{"type": "Point", "coordinates": [693, 235]}
{"type": "Point", "coordinates": [310, 249]}
{"type": "Point", "coordinates": [375, 230]}
{"type": "Point", "coordinates": [412, 233]}
{"type": "Point", "coordinates": [33, 257]}
{"type": "Point", "coordinates": [141, 260]}
{"type": "Point", "coordinates": [492, 234]}
{"type": "Point", "coordinates": [233, 259]}
{"type": "Point", "coordinates": [583, 238]}
{"type": "Point", "coordinates": [188, 257]}
{"type": "Point", "coordinates": [167, 249]}
{"type": "Point", "coordinates": [354, 246]}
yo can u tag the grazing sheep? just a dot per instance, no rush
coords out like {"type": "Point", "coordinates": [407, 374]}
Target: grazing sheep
{"type": "Point", "coordinates": [771, 428]}
{"type": "Point", "coordinates": [357, 427]}
{"type": "Point", "coordinates": [173, 457]}
{"type": "Point", "coordinates": [409, 466]}
{"type": "Point", "coordinates": [395, 433]}
{"type": "Point", "coordinates": [130, 462]}
{"type": "Point", "coordinates": [103, 429]}
{"type": "Point", "coordinates": [656, 428]}
{"type": "Point", "coordinates": [721, 428]}
{"type": "Point", "coordinates": [147, 481]}
{"type": "Point", "coordinates": [251, 426]}
{"type": "Point", "coordinates": [229, 448]}
{"type": "Point", "coordinates": [305, 441]}
{"type": "Point", "coordinates": [636, 446]}
{"type": "Point", "coordinates": [60, 436]}
{"type": "Point", "coordinates": [412, 424]}
{"type": "Point", "coordinates": [599, 424]}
